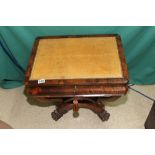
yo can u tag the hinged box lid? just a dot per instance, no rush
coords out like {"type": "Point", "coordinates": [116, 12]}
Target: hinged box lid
{"type": "Point", "coordinates": [73, 60]}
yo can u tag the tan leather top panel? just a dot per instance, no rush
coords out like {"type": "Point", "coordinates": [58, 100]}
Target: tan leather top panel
{"type": "Point", "coordinates": [77, 58]}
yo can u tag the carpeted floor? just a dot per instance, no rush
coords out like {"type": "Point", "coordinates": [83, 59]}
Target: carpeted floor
{"type": "Point", "coordinates": [129, 111]}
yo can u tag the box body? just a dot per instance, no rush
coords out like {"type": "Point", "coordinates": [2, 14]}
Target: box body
{"type": "Point", "coordinates": [82, 66]}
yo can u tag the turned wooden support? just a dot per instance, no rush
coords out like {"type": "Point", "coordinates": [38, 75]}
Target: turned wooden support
{"type": "Point", "coordinates": [75, 105]}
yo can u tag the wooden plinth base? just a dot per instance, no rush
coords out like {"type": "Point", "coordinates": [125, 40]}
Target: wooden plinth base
{"type": "Point", "coordinates": [93, 104]}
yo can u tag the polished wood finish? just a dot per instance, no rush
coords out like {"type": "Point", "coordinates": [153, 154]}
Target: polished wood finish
{"type": "Point", "coordinates": [77, 88]}
{"type": "Point", "coordinates": [69, 91]}
{"type": "Point", "coordinates": [93, 104]}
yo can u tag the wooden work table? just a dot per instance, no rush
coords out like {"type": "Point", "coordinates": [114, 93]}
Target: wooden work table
{"type": "Point", "coordinates": [81, 70]}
